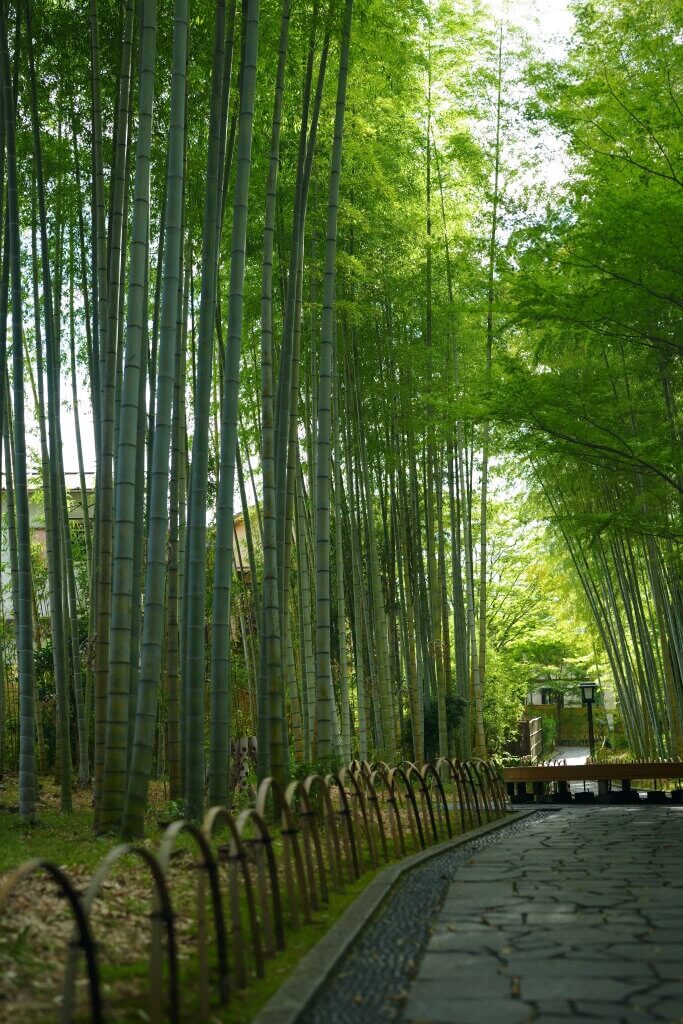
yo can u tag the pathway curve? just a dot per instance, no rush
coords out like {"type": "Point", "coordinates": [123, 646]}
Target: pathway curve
{"type": "Point", "coordinates": [576, 756]}
{"type": "Point", "coordinates": [572, 755]}
{"type": "Point", "coordinates": [579, 917]}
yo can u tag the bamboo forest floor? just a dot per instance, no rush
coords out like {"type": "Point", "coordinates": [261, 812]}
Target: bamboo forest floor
{"type": "Point", "coordinates": [32, 955]}
{"type": "Point", "coordinates": [67, 840]}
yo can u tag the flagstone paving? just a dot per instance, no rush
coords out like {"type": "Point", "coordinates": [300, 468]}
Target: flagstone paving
{"type": "Point", "coordinates": [578, 917]}
{"type": "Point", "coordinates": [569, 915]}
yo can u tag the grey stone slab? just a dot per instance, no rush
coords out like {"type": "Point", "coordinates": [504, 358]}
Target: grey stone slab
{"type": "Point", "coordinates": [546, 917]}
{"type": "Point", "coordinates": [650, 951]}
{"type": "Point", "coordinates": [446, 981]}
{"type": "Point", "coordinates": [548, 1017]}
{"type": "Point", "coordinates": [465, 962]}
{"type": "Point", "coordinates": [498, 885]}
{"type": "Point", "coordinates": [607, 1013]}
{"type": "Point", "coordinates": [663, 936]}
{"type": "Point", "coordinates": [575, 936]}
{"type": "Point", "coordinates": [596, 989]}
{"type": "Point", "coordinates": [666, 917]}
{"type": "Point", "coordinates": [593, 901]}
{"type": "Point", "coordinates": [561, 966]}
{"type": "Point", "coordinates": [552, 906]}
{"type": "Point", "coordinates": [636, 1016]}
{"type": "Point", "coordinates": [452, 942]}
{"type": "Point", "coordinates": [493, 873]}
{"type": "Point", "coordinates": [669, 969]}
{"type": "Point", "coordinates": [561, 1008]}
{"type": "Point", "coordinates": [580, 955]}
{"type": "Point", "coordinates": [467, 916]}
{"type": "Point", "coordinates": [624, 918]}
{"type": "Point", "coordinates": [435, 965]}
{"type": "Point", "coordinates": [456, 926]}
{"type": "Point", "coordinates": [504, 918]}
{"type": "Point", "coordinates": [671, 990]}
{"type": "Point", "coordinates": [668, 1009]}
{"type": "Point", "coordinates": [423, 1007]}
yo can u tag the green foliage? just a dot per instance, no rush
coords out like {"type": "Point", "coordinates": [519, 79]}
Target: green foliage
{"type": "Point", "coordinates": [549, 726]}
{"type": "Point", "coordinates": [506, 689]}
{"type": "Point", "coordinates": [455, 709]}
{"type": "Point", "coordinates": [322, 766]}
{"type": "Point", "coordinates": [581, 399]}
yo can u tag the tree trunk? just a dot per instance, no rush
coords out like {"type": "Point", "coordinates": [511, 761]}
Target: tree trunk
{"type": "Point", "coordinates": [194, 667]}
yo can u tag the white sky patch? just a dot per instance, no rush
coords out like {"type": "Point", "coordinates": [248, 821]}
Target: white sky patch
{"type": "Point", "coordinates": [551, 18]}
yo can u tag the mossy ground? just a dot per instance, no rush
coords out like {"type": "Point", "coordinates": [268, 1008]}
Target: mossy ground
{"type": "Point", "coordinates": [65, 839]}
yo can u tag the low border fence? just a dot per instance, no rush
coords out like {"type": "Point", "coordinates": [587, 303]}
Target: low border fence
{"type": "Point", "coordinates": [276, 864]}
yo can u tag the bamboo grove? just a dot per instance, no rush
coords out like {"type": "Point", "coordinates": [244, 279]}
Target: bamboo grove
{"type": "Point", "coordinates": [294, 277]}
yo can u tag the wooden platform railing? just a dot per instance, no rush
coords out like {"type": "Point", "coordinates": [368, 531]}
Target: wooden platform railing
{"type": "Point", "coordinates": [622, 772]}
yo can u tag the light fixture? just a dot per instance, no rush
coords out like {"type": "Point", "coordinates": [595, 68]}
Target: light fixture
{"type": "Point", "coordinates": [588, 692]}
{"type": "Point", "coordinates": [588, 695]}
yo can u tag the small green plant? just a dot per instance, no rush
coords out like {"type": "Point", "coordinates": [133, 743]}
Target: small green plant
{"type": "Point", "coordinates": [323, 766]}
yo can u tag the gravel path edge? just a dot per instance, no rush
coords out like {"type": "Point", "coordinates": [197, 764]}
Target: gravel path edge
{"type": "Point", "coordinates": [311, 973]}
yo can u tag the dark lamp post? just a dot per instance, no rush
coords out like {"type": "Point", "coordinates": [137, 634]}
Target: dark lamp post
{"type": "Point", "coordinates": [588, 696]}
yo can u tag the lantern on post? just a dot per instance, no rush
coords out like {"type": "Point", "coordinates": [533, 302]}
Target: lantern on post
{"type": "Point", "coordinates": [588, 697]}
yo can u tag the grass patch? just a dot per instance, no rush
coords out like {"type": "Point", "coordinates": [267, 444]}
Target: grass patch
{"type": "Point", "coordinates": [65, 839]}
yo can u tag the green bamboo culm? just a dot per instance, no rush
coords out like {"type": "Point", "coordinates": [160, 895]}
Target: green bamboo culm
{"type": "Point", "coordinates": [269, 679]}
{"type": "Point", "coordinates": [339, 555]}
{"type": "Point", "coordinates": [117, 726]}
{"type": "Point", "coordinates": [108, 249]}
{"type": "Point", "coordinates": [325, 707]}
{"type": "Point", "coordinates": [4, 305]}
{"type": "Point", "coordinates": [24, 616]}
{"type": "Point", "coordinates": [192, 629]}
{"type": "Point", "coordinates": [157, 528]}
{"type": "Point", "coordinates": [283, 397]}
{"type": "Point", "coordinates": [176, 505]}
{"type": "Point", "coordinates": [220, 609]}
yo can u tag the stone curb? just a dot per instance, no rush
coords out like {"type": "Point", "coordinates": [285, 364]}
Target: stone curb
{"type": "Point", "coordinates": [309, 975]}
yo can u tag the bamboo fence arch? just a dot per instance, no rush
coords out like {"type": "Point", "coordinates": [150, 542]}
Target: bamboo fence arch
{"type": "Point", "coordinates": [312, 836]}
{"type": "Point", "coordinates": [161, 916]}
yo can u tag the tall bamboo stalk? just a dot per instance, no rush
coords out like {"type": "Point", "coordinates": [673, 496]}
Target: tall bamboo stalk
{"type": "Point", "coordinates": [220, 608]}
{"type": "Point", "coordinates": [193, 644]}
{"type": "Point", "coordinates": [325, 710]}
{"type": "Point", "coordinates": [124, 585]}
{"type": "Point", "coordinates": [24, 617]}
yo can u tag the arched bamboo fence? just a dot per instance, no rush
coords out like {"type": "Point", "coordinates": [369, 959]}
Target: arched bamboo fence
{"type": "Point", "coordinates": [262, 872]}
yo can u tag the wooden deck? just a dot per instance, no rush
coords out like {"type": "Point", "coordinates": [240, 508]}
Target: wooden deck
{"type": "Point", "coordinates": [595, 772]}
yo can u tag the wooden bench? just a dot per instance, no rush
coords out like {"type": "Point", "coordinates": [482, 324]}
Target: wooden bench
{"type": "Point", "coordinates": [603, 774]}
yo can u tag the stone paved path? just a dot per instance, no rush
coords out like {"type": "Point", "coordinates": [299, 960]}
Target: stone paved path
{"type": "Point", "coordinates": [572, 755]}
{"type": "Point", "coordinates": [579, 917]}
